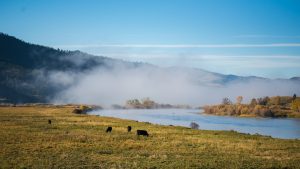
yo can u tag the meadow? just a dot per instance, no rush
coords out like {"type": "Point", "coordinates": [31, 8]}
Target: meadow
{"type": "Point", "coordinates": [80, 141]}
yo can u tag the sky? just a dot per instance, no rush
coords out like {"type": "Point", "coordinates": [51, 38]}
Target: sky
{"type": "Point", "coordinates": [241, 37]}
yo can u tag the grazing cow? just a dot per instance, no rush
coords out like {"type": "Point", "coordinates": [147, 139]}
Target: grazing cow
{"type": "Point", "coordinates": [49, 121]}
{"type": "Point", "coordinates": [109, 129]}
{"type": "Point", "coordinates": [129, 128]}
{"type": "Point", "coordinates": [142, 132]}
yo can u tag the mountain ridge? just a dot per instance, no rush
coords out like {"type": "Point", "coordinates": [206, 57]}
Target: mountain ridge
{"type": "Point", "coordinates": [25, 70]}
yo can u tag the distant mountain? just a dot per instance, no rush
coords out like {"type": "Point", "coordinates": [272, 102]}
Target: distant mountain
{"type": "Point", "coordinates": [30, 56]}
{"type": "Point", "coordinates": [27, 71]}
{"type": "Point", "coordinates": [295, 79]}
{"type": "Point", "coordinates": [22, 62]}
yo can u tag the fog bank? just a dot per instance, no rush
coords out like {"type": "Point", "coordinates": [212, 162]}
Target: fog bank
{"type": "Point", "coordinates": [115, 85]}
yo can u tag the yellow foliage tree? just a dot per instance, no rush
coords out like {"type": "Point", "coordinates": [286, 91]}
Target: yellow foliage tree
{"type": "Point", "coordinates": [296, 105]}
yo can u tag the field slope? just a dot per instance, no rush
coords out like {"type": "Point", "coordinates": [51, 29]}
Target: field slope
{"type": "Point", "coordinates": [80, 141]}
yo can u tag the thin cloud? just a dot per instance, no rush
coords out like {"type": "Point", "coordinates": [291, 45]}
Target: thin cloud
{"type": "Point", "coordinates": [271, 45]}
{"type": "Point", "coordinates": [262, 65]}
{"type": "Point", "coordinates": [197, 56]}
{"type": "Point", "coordinates": [267, 36]}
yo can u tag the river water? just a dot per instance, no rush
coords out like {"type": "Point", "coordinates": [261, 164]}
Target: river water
{"type": "Point", "coordinates": [275, 127]}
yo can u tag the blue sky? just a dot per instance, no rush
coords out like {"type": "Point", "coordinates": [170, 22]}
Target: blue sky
{"type": "Point", "coordinates": [243, 37]}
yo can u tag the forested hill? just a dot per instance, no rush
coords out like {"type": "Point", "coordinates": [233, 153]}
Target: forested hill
{"type": "Point", "coordinates": [30, 56]}
{"type": "Point", "coordinates": [21, 63]}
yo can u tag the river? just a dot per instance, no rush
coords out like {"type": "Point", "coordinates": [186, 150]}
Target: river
{"type": "Point", "coordinates": [275, 127]}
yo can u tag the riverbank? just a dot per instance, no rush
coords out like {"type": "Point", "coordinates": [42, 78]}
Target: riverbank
{"type": "Point", "coordinates": [278, 107]}
{"type": "Point", "coordinates": [244, 110]}
{"type": "Point", "coordinates": [285, 128]}
{"type": "Point", "coordinates": [79, 141]}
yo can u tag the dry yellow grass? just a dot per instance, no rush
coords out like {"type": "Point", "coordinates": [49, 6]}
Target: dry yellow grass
{"type": "Point", "coordinates": [80, 141]}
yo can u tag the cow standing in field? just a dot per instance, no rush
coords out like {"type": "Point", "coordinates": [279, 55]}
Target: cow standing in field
{"type": "Point", "coordinates": [129, 128]}
{"type": "Point", "coordinates": [109, 129]}
{"type": "Point", "coordinates": [142, 133]}
{"type": "Point", "coordinates": [49, 122]}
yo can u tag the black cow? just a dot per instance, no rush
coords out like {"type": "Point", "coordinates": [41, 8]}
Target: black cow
{"type": "Point", "coordinates": [129, 128]}
{"type": "Point", "coordinates": [49, 121]}
{"type": "Point", "coordinates": [142, 133]}
{"type": "Point", "coordinates": [109, 129]}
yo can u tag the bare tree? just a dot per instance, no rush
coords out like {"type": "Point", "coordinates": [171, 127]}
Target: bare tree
{"type": "Point", "coordinates": [239, 99]}
{"type": "Point", "coordinates": [226, 100]}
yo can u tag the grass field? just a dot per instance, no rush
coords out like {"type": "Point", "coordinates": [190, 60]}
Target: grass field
{"type": "Point", "coordinates": [80, 141]}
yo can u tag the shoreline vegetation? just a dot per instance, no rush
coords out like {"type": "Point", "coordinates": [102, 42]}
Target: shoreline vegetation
{"type": "Point", "coordinates": [275, 107]}
{"type": "Point", "coordinates": [147, 103]}
{"type": "Point", "coordinates": [80, 141]}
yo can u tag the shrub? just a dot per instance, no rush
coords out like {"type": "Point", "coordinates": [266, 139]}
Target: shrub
{"type": "Point", "coordinates": [194, 125]}
{"type": "Point", "coordinates": [83, 107]}
{"type": "Point", "coordinates": [77, 111]}
{"type": "Point", "coordinates": [265, 112]}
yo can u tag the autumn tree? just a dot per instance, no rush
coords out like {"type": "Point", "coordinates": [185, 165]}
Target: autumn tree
{"type": "Point", "coordinates": [263, 101]}
{"type": "Point", "coordinates": [134, 103]}
{"type": "Point", "coordinates": [148, 104]}
{"type": "Point", "coordinates": [253, 102]}
{"type": "Point", "coordinates": [296, 105]}
{"type": "Point", "coordinates": [277, 100]}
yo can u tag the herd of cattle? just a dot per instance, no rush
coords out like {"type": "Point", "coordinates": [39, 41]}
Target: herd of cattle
{"type": "Point", "coordinates": [138, 132]}
{"type": "Point", "coordinates": [109, 129]}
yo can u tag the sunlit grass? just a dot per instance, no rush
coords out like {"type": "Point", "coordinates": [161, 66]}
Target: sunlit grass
{"type": "Point", "coordinates": [80, 141]}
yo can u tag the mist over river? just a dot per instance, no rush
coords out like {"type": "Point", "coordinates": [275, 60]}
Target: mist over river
{"type": "Point", "coordinates": [275, 127]}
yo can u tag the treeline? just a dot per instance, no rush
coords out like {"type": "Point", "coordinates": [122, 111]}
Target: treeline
{"type": "Point", "coordinates": [278, 106]}
{"type": "Point", "coordinates": [147, 103]}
